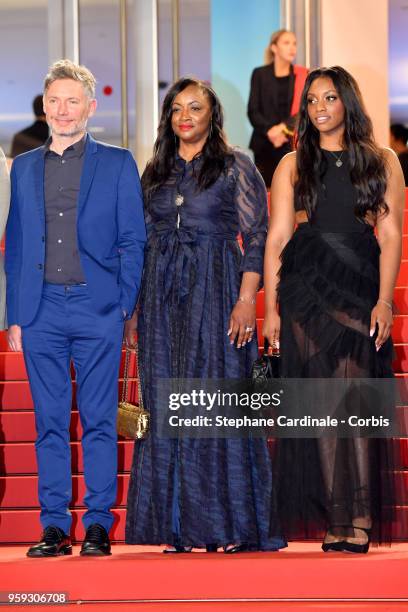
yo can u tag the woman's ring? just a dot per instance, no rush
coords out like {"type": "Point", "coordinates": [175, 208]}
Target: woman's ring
{"type": "Point", "coordinates": [248, 329]}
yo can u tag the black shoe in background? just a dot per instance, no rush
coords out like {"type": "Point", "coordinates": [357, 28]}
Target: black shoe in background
{"type": "Point", "coordinates": [54, 543]}
{"type": "Point", "coordinates": [96, 543]}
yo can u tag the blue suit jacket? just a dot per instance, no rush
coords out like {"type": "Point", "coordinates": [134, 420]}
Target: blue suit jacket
{"type": "Point", "coordinates": [110, 229]}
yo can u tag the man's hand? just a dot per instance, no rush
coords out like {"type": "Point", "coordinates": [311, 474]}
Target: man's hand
{"type": "Point", "coordinates": [129, 335]}
{"type": "Point", "coordinates": [14, 338]}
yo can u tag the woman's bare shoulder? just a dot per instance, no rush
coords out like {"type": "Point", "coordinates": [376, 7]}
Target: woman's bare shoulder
{"type": "Point", "coordinates": [389, 156]}
{"type": "Point", "coordinates": [287, 167]}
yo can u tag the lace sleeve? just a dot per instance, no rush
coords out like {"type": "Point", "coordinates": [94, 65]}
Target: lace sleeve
{"type": "Point", "coordinates": [251, 202]}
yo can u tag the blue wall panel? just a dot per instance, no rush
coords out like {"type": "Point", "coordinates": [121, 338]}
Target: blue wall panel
{"type": "Point", "coordinates": [240, 31]}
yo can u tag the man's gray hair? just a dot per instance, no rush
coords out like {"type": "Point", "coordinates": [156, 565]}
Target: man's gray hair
{"type": "Point", "coordinates": [65, 69]}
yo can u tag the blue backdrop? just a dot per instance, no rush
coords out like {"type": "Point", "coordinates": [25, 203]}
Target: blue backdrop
{"type": "Point", "coordinates": [240, 32]}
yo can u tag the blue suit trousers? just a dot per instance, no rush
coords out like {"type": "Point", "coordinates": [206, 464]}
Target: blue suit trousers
{"type": "Point", "coordinates": [67, 328]}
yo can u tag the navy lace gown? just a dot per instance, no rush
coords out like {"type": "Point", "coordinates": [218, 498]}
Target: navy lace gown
{"type": "Point", "coordinates": [193, 492]}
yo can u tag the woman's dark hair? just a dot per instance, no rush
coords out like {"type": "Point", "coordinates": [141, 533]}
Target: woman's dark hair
{"type": "Point", "coordinates": [367, 165]}
{"type": "Point", "coordinates": [215, 154]}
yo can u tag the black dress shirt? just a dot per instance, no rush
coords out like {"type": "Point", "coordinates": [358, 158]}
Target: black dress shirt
{"type": "Point", "coordinates": [62, 177]}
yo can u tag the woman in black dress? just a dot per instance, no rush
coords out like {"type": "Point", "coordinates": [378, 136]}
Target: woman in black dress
{"type": "Point", "coordinates": [274, 103]}
{"type": "Point", "coordinates": [334, 291]}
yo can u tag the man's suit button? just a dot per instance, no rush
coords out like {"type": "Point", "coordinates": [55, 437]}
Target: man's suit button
{"type": "Point", "coordinates": [40, 266]}
{"type": "Point", "coordinates": [42, 238]}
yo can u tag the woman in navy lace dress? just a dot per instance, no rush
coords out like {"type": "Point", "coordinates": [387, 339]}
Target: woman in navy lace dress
{"type": "Point", "coordinates": [196, 319]}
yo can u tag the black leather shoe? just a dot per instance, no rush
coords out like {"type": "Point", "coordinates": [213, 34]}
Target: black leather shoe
{"type": "Point", "coordinates": [211, 548]}
{"type": "Point", "coordinates": [54, 543]}
{"type": "Point", "coordinates": [96, 543]}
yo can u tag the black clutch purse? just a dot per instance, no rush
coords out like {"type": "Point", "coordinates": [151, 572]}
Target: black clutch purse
{"type": "Point", "coordinates": [267, 366]}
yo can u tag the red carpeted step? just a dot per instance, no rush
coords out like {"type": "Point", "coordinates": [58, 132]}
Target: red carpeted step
{"type": "Point", "coordinates": [401, 300]}
{"type": "Point", "coordinates": [19, 458]}
{"type": "Point", "coordinates": [400, 363]}
{"type": "Point", "coordinates": [260, 304]}
{"type": "Point", "coordinates": [401, 453]}
{"type": "Point", "coordinates": [405, 246]}
{"type": "Point", "coordinates": [15, 395]}
{"type": "Point", "coordinates": [19, 426]}
{"type": "Point", "coordinates": [22, 491]}
{"type": "Point", "coordinates": [402, 279]}
{"type": "Point", "coordinates": [401, 486]}
{"type": "Point", "coordinates": [12, 367]}
{"type": "Point", "coordinates": [405, 224]}
{"type": "Point", "coordinates": [297, 578]}
{"type": "Point", "coordinates": [400, 329]}
{"type": "Point", "coordinates": [300, 577]}
{"type": "Point", "coordinates": [3, 341]}
{"type": "Point", "coordinates": [24, 525]}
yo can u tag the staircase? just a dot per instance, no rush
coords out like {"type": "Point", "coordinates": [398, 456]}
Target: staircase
{"type": "Point", "coordinates": [19, 512]}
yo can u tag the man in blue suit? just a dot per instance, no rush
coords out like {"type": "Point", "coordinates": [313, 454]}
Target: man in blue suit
{"type": "Point", "coordinates": [74, 256]}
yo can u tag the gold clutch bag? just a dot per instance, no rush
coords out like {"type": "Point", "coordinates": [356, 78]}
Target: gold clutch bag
{"type": "Point", "coordinates": [133, 420]}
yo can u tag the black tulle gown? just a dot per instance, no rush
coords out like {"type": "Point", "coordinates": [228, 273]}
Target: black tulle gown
{"type": "Point", "coordinates": [329, 283]}
{"type": "Point", "coordinates": [194, 492]}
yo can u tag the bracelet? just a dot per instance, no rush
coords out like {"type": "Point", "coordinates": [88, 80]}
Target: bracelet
{"type": "Point", "coordinates": [386, 303]}
{"type": "Point", "coordinates": [288, 132]}
{"type": "Point", "coordinates": [246, 300]}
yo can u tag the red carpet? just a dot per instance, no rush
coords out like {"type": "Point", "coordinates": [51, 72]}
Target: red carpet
{"type": "Point", "coordinates": [144, 574]}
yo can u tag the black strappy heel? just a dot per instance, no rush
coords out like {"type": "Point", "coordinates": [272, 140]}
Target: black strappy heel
{"type": "Point", "coordinates": [358, 548]}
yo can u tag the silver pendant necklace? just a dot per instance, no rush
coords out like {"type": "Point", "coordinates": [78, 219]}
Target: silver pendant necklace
{"type": "Point", "coordinates": [179, 200]}
{"type": "Point", "coordinates": [339, 163]}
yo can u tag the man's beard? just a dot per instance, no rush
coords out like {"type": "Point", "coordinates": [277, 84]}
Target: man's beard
{"type": "Point", "coordinates": [80, 127]}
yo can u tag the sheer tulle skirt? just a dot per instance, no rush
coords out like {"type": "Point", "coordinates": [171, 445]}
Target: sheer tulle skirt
{"type": "Point", "coordinates": [328, 286]}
